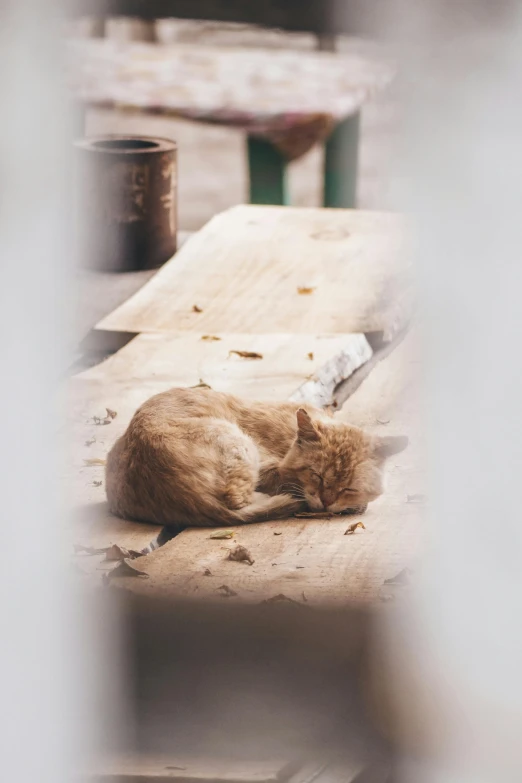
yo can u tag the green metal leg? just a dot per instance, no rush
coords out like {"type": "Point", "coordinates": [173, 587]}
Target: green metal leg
{"type": "Point", "coordinates": [267, 167]}
{"type": "Point", "coordinates": [341, 160]}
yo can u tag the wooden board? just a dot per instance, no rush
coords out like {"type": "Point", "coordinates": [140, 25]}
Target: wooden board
{"type": "Point", "coordinates": [312, 561]}
{"type": "Point", "coordinates": [183, 770]}
{"type": "Point", "coordinates": [151, 363]}
{"type": "Point", "coordinates": [244, 269]}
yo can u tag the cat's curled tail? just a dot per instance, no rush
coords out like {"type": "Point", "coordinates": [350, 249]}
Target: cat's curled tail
{"type": "Point", "coordinates": [269, 507]}
{"type": "Point", "coordinates": [264, 508]}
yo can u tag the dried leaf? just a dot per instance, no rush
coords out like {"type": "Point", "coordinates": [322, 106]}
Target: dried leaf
{"type": "Point", "coordinates": [416, 499]}
{"type": "Point", "coordinates": [97, 483]}
{"type": "Point", "coordinates": [94, 461]}
{"type": "Point", "coordinates": [196, 309]}
{"type": "Point", "coordinates": [226, 592]}
{"type": "Point", "coordinates": [207, 572]}
{"type": "Point", "coordinates": [353, 527]}
{"type": "Point", "coordinates": [246, 354]}
{"type": "Point", "coordinates": [219, 534]}
{"type": "Point", "coordinates": [211, 338]}
{"type": "Point", "coordinates": [310, 356]}
{"type": "Point", "coordinates": [90, 441]}
{"type": "Point", "coordinates": [125, 568]}
{"type": "Point", "coordinates": [241, 554]}
{"type": "Point", "coordinates": [304, 291]}
{"type": "Point", "coordinates": [402, 578]}
{"type": "Point", "coordinates": [111, 414]}
{"type": "Point", "coordinates": [116, 552]}
{"type": "Point", "coordinates": [80, 549]}
{"type": "Point", "coordinates": [201, 385]}
{"type": "Point", "coordinates": [101, 421]}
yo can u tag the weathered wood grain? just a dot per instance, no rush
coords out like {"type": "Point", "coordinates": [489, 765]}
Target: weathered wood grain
{"type": "Point", "coordinates": [311, 561]}
{"type": "Point", "coordinates": [183, 770]}
{"type": "Point", "coordinates": [244, 269]}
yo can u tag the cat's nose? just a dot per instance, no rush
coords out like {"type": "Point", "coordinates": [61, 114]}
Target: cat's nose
{"type": "Point", "coordinates": [328, 498]}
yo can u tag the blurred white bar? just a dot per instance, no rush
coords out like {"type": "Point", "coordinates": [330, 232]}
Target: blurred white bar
{"type": "Point", "coordinates": [40, 709]}
{"type": "Point", "coordinates": [463, 163]}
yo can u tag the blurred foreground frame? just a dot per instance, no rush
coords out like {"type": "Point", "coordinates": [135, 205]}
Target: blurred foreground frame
{"type": "Point", "coordinates": [228, 693]}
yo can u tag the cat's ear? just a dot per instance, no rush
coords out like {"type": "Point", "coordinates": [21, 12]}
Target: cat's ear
{"type": "Point", "coordinates": [389, 445]}
{"type": "Point", "coordinates": [306, 430]}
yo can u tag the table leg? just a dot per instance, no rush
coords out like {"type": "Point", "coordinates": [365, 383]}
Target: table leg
{"type": "Point", "coordinates": [267, 169]}
{"type": "Point", "coordinates": [341, 160]}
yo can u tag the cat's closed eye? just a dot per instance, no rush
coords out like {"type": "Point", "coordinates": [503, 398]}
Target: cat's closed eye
{"type": "Point", "coordinates": [349, 491]}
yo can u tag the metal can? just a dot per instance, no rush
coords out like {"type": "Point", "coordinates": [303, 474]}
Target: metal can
{"type": "Point", "coordinates": [126, 202]}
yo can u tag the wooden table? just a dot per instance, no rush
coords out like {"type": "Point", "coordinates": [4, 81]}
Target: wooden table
{"type": "Point", "coordinates": [285, 101]}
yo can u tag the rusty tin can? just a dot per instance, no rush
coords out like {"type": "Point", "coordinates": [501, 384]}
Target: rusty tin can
{"type": "Point", "coordinates": [126, 197]}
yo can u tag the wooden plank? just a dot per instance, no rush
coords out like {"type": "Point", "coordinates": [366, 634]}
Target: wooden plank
{"type": "Point", "coordinates": [244, 269]}
{"type": "Point", "coordinates": [200, 770]}
{"type": "Point", "coordinates": [154, 362]}
{"type": "Point", "coordinates": [312, 561]}
{"type": "Point", "coordinates": [264, 92]}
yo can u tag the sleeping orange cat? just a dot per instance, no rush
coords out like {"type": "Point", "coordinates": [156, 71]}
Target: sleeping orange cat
{"type": "Point", "coordinates": [200, 457]}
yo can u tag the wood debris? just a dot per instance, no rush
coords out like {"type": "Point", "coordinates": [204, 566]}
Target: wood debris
{"type": "Point", "coordinates": [201, 385]}
{"type": "Point", "coordinates": [97, 483]}
{"type": "Point", "coordinates": [353, 527]}
{"type": "Point", "coordinates": [310, 356]}
{"type": "Point", "coordinates": [241, 554]}
{"type": "Point", "coordinates": [282, 598]}
{"type": "Point", "coordinates": [305, 291]}
{"type": "Point", "coordinates": [246, 354]}
{"type": "Point", "coordinates": [226, 592]}
{"type": "Point", "coordinates": [277, 533]}
{"type": "Point", "coordinates": [90, 441]}
{"type": "Point", "coordinates": [112, 414]}
{"type": "Point", "coordinates": [220, 534]}
{"type": "Point", "coordinates": [125, 568]}
{"type": "Point", "coordinates": [211, 338]}
{"type": "Point", "coordinates": [94, 461]}
{"type": "Point", "coordinates": [196, 309]}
